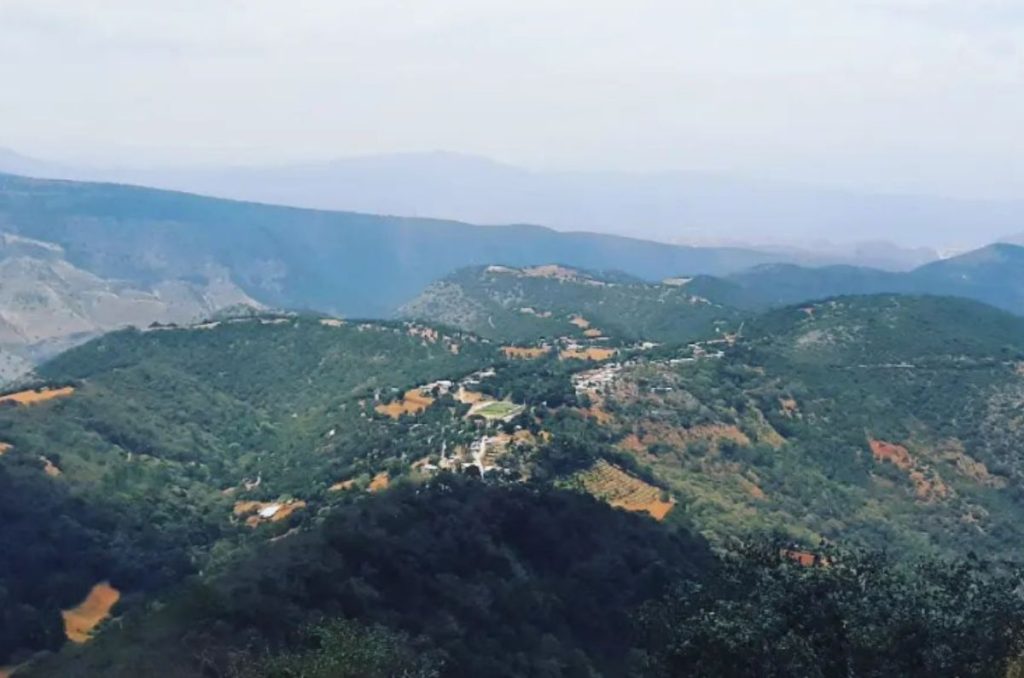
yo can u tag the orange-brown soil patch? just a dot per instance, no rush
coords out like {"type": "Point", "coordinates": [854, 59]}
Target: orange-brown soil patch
{"type": "Point", "coordinates": [470, 397]}
{"type": "Point", "coordinates": [928, 485]}
{"type": "Point", "coordinates": [789, 406]}
{"type": "Point", "coordinates": [579, 321]}
{"type": "Point", "coordinates": [32, 397]}
{"type": "Point", "coordinates": [49, 468]}
{"type": "Point", "coordinates": [597, 411]}
{"type": "Point", "coordinates": [802, 558]}
{"type": "Point", "coordinates": [613, 485]}
{"type": "Point", "coordinates": [259, 512]}
{"type": "Point", "coordinates": [596, 354]}
{"type": "Point", "coordinates": [525, 352]}
{"type": "Point", "coordinates": [80, 621]}
{"type": "Point", "coordinates": [4, 449]}
{"type": "Point", "coordinates": [896, 455]}
{"type": "Point", "coordinates": [593, 333]}
{"type": "Point", "coordinates": [343, 485]}
{"type": "Point", "coordinates": [632, 443]}
{"type": "Point", "coordinates": [681, 437]}
{"type": "Point", "coordinates": [380, 482]}
{"type": "Point", "coordinates": [412, 402]}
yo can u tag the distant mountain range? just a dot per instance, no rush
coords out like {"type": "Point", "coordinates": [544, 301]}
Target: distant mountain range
{"type": "Point", "coordinates": [343, 262]}
{"type": "Point", "coordinates": [993, 274]}
{"type": "Point", "coordinates": [529, 304]}
{"type": "Point", "coordinates": [887, 231]}
{"type": "Point", "coordinates": [82, 258]}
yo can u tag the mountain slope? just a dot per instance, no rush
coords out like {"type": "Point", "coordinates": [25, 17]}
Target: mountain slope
{"type": "Point", "coordinates": [295, 468]}
{"type": "Point", "coordinates": [553, 301]}
{"type": "Point", "coordinates": [890, 421]}
{"type": "Point", "coordinates": [993, 274]}
{"type": "Point", "coordinates": [338, 262]}
{"type": "Point", "coordinates": [668, 206]}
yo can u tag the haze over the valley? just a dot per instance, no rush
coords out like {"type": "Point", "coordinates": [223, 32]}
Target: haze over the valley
{"type": "Point", "coordinates": [786, 123]}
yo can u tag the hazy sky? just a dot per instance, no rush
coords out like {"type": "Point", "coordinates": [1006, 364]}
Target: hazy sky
{"type": "Point", "coordinates": [894, 94]}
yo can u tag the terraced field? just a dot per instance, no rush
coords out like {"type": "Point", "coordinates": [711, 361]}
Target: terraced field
{"type": "Point", "coordinates": [613, 485]}
{"type": "Point", "coordinates": [412, 402]}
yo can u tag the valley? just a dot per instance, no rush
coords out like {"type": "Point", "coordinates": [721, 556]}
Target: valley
{"type": "Point", "coordinates": [189, 460]}
{"type": "Point", "coordinates": [807, 422]}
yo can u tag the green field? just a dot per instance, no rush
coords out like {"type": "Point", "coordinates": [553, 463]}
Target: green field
{"type": "Point", "coordinates": [499, 410]}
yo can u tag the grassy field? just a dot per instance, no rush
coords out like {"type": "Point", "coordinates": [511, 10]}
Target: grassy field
{"type": "Point", "coordinates": [499, 409]}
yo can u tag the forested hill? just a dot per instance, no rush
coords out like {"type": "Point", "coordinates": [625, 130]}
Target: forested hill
{"type": "Point", "coordinates": [271, 493]}
{"type": "Point", "coordinates": [341, 262]}
{"type": "Point", "coordinates": [993, 275]}
{"type": "Point", "coordinates": [527, 304]}
{"type": "Point", "coordinates": [144, 450]}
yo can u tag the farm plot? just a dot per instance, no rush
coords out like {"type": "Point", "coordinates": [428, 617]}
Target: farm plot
{"type": "Point", "coordinates": [616, 487]}
{"type": "Point", "coordinates": [496, 409]}
{"type": "Point", "coordinates": [33, 397]}
{"type": "Point", "coordinates": [413, 402]}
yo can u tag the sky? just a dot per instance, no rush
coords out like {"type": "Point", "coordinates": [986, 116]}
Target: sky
{"type": "Point", "coordinates": [890, 95]}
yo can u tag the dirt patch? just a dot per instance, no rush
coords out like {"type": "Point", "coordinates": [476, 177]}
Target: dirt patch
{"type": "Point", "coordinates": [342, 486]}
{"type": "Point", "coordinates": [681, 437]}
{"type": "Point", "coordinates": [49, 468]}
{"type": "Point", "coordinates": [380, 482]}
{"type": "Point", "coordinates": [4, 449]}
{"type": "Point", "coordinates": [525, 352]}
{"type": "Point", "coordinates": [597, 411]}
{"type": "Point", "coordinates": [616, 487]}
{"type": "Point", "coordinates": [596, 354]}
{"type": "Point", "coordinates": [80, 621]}
{"type": "Point", "coordinates": [897, 455]}
{"type": "Point", "coordinates": [257, 512]}
{"type": "Point", "coordinates": [802, 558]}
{"type": "Point", "coordinates": [413, 402]}
{"type": "Point", "coordinates": [593, 333]}
{"type": "Point", "coordinates": [331, 322]}
{"type": "Point", "coordinates": [470, 397]}
{"type": "Point", "coordinates": [38, 396]}
{"type": "Point", "coordinates": [632, 444]}
{"type": "Point", "coordinates": [928, 485]}
{"type": "Point", "coordinates": [789, 406]}
{"type": "Point", "coordinates": [579, 321]}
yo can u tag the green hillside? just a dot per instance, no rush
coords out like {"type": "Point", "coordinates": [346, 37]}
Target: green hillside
{"type": "Point", "coordinates": [271, 494]}
{"type": "Point", "coordinates": [166, 430]}
{"type": "Point", "coordinates": [528, 304]}
{"type": "Point", "coordinates": [892, 422]}
{"type": "Point", "coordinates": [993, 275]}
